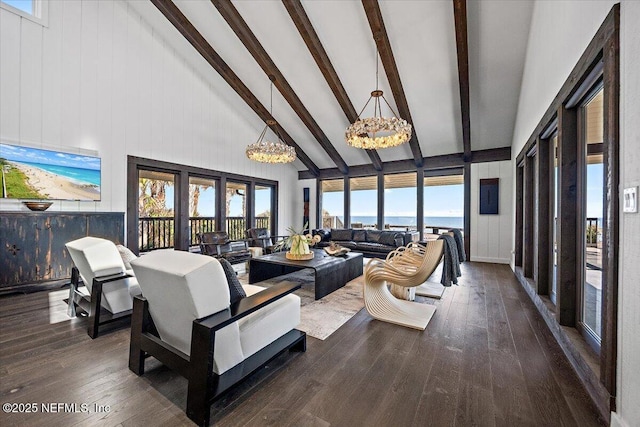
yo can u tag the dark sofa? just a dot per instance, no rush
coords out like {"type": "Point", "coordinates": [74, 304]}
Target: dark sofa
{"type": "Point", "coordinates": [372, 243]}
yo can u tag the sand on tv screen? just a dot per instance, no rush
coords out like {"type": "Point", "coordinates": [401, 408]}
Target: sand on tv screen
{"type": "Point", "coordinates": [33, 173]}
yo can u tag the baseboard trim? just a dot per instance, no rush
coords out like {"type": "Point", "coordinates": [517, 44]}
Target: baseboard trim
{"type": "Point", "coordinates": [490, 260]}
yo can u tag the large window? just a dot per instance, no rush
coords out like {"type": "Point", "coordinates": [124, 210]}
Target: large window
{"type": "Point", "coordinates": [164, 211]}
{"type": "Point", "coordinates": [364, 202]}
{"type": "Point", "coordinates": [593, 214]}
{"type": "Point", "coordinates": [332, 203]}
{"type": "Point", "coordinates": [555, 235]}
{"type": "Point", "coordinates": [400, 202]}
{"type": "Point", "coordinates": [443, 203]}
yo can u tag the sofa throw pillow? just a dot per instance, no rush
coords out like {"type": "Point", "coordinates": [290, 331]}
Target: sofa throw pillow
{"type": "Point", "coordinates": [126, 255]}
{"type": "Point", "coordinates": [341, 235]}
{"type": "Point", "coordinates": [359, 236]}
{"type": "Point", "coordinates": [236, 291]}
{"type": "Point", "coordinates": [373, 236]}
{"type": "Point", "coordinates": [389, 238]}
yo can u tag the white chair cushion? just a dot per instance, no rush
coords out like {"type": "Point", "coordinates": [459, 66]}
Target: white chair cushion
{"type": "Point", "coordinates": [181, 287]}
{"type": "Point", "coordinates": [261, 328]}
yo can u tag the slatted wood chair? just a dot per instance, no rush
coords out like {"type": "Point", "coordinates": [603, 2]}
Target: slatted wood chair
{"type": "Point", "coordinates": [408, 267]}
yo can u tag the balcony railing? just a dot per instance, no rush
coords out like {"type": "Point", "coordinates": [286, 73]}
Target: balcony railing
{"type": "Point", "coordinates": [158, 232]}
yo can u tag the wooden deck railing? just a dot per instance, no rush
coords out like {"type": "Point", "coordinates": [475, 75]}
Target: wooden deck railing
{"type": "Point", "coordinates": [158, 232]}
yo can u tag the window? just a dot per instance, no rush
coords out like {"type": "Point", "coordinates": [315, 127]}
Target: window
{"type": "Point", "coordinates": [443, 203]}
{"type": "Point", "coordinates": [400, 202]}
{"type": "Point", "coordinates": [554, 202]}
{"type": "Point", "coordinates": [263, 207]}
{"type": "Point", "coordinates": [236, 209]}
{"type": "Point", "coordinates": [156, 210]}
{"type": "Point", "coordinates": [34, 10]}
{"type": "Point", "coordinates": [202, 207]}
{"type": "Point", "coordinates": [164, 213]}
{"type": "Point", "coordinates": [332, 203]}
{"type": "Point", "coordinates": [592, 216]}
{"type": "Point", "coordinates": [364, 202]}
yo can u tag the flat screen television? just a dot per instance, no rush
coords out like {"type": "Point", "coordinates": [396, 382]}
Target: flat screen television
{"type": "Point", "coordinates": [32, 173]}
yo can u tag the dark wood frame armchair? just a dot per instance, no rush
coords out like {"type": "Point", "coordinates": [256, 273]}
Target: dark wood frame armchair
{"type": "Point", "coordinates": [92, 304]}
{"type": "Point", "coordinates": [262, 238]}
{"type": "Point", "coordinates": [205, 386]}
{"type": "Point", "coordinates": [218, 245]}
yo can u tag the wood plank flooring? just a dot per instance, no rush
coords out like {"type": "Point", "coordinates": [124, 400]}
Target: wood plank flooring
{"type": "Point", "coordinates": [486, 359]}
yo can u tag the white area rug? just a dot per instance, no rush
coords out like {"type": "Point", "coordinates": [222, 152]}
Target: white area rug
{"type": "Point", "coordinates": [321, 318]}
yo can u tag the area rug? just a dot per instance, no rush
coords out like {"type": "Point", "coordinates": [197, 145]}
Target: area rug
{"type": "Point", "coordinates": [319, 319]}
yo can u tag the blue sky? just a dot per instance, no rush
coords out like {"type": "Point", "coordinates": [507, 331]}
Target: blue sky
{"type": "Point", "coordinates": [24, 5]}
{"type": "Point", "coordinates": [207, 207]}
{"type": "Point", "coordinates": [445, 200]}
{"type": "Point", "coordinates": [35, 155]}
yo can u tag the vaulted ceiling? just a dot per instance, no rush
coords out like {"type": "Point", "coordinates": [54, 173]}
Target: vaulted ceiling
{"type": "Point", "coordinates": [323, 57]}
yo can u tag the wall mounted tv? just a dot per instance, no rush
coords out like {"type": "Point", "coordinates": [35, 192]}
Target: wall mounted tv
{"type": "Point", "coordinates": [33, 173]}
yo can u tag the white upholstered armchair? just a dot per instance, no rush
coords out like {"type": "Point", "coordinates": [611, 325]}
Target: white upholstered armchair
{"type": "Point", "coordinates": [109, 287]}
{"type": "Point", "coordinates": [185, 315]}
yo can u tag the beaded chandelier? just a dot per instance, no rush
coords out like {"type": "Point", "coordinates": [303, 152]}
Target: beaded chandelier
{"type": "Point", "coordinates": [271, 152]}
{"type": "Point", "coordinates": [372, 133]}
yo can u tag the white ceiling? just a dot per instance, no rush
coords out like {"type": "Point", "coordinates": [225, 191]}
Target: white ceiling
{"type": "Point", "coordinates": [422, 36]}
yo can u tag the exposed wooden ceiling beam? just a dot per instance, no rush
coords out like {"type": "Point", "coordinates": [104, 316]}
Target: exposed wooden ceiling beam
{"type": "Point", "coordinates": [374, 15]}
{"type": "Point", "coordinates": [244, 33]}
{"type": "Point", "coordinates": [455, 160]}
{"type": "Point", "coordinates": [310, 37]}
{"type": "Point", "coordinates": [184, 26]}
{"type": "Point", "coordinates": [462, 47]}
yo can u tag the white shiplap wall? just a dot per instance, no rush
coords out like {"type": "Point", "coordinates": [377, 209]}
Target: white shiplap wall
{"type": "Point", "coordinates": [491, 235]}
{"type": "Point", "coordinates": [100, 78]}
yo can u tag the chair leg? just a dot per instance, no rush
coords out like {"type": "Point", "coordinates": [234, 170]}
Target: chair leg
{"type": "Point", "coordinates": [136, 355]}
{"type": "Point", "coordinates": [94, 312]}
{"type": "Point", "coordinates": [73, 287]}
{"type": "Point", "coordinates": [300, 346]}
{"type": "Point", "coordinates": [200, 375]}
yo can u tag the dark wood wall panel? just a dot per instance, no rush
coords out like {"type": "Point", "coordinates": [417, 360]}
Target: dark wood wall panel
{"type": "Point", "coordinates": [519, 215]}
{"type": "Point", "coordinates": [545, 216]}
{"type": "Point", "coordinates": [529, 249]}
{"type": "Point", "coordinates": [568, 205]}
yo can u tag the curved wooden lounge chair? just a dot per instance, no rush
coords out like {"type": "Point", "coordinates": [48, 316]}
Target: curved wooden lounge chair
{"type": "Point", "coordinates": [406, 266]}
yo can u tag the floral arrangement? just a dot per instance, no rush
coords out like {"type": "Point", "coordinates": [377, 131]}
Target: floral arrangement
{"type": "Point", "coordinates": [298, 243]}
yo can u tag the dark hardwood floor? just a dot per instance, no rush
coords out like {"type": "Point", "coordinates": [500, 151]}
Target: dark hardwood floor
{"type": "Point", "coordinates": [485, 359]}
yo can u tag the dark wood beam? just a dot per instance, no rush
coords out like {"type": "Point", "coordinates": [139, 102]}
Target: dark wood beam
{"type": "Point", "coordinates": [311, 39]}
{"type": "Point", "coordinates": [374, 15]}
{"type": "Point", "coordinates": [428, 163]}
{"type": "Point", "coordinates": [462, 47]}
{"type": "Point", "coordinates": [189, 32]}
{"type": "Point", "coordinates": [246, 36]}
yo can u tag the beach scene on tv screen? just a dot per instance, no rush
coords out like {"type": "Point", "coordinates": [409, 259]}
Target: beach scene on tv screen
{"type": "Point", "coordinates": [33, 173]}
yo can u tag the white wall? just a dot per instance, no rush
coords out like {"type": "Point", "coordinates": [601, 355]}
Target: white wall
{"type": "Point", "coordinates": [100, 78]}
{"type": "Point", "coordinates": [629, 268]}
{"type": "Point", "coordinates": [559, 34]}
{"type": "Point", "coordinates": [492, 235]}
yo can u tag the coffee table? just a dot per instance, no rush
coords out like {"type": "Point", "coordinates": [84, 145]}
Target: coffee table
{"type": "Point", "coordinates": [330, 272]}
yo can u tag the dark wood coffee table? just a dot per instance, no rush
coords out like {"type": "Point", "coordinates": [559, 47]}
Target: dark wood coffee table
{"type": "Point", "coordinates": [331, 273]}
